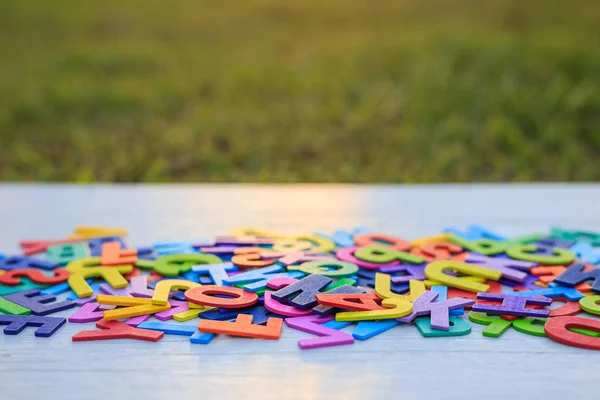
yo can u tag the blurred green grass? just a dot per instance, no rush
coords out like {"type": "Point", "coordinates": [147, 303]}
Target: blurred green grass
{"type": "Point", "coordinates": [318, 91]}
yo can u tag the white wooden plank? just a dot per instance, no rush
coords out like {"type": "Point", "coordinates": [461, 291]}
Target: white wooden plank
{"type": "Point", "coordinates": [397, 364]}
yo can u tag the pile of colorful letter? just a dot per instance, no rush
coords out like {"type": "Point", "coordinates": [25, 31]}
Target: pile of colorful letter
{"type": "Point", "coordinates": [252, 281]}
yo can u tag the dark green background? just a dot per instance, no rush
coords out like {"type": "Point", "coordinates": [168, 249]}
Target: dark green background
{"type": "Point", "coordinates": [307, 90]}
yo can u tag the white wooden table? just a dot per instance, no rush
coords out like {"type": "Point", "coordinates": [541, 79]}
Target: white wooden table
{"type": "Point", "coordinates": [398, 364]}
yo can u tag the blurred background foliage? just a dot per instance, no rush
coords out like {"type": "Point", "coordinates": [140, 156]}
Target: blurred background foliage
{"type": "Point", "coordinates": [300, 91]}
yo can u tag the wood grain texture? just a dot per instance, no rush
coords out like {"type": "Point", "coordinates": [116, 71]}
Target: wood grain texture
{"type": "Point", "coordinates": [397, 364]}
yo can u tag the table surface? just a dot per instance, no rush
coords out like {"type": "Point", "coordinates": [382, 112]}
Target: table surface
{"type": "Point", "coordinates": [396, 364]}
